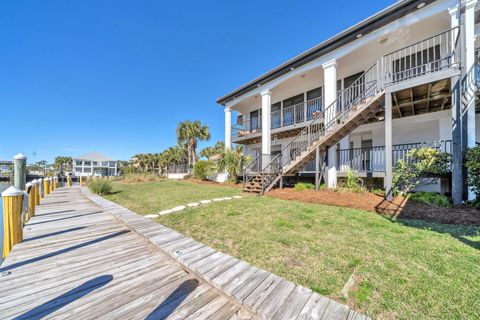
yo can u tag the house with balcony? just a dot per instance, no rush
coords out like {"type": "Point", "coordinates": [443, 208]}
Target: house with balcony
{"type": "Point", "coordinates": [401, 79]}
{"type": "Point", "coordinates": [94, 164]}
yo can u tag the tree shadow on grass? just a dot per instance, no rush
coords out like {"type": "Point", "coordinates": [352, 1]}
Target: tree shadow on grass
{"type": "Point", "coordinates": [459, 223]}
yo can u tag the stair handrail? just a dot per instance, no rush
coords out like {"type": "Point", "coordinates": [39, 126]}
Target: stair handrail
{"type": "Point", "coordinates": [316, 127]}
{"type": "Point", "coordinates": [250, 165]}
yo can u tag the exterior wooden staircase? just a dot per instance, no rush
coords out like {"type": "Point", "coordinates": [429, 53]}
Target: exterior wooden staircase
{"type": "Point", "coordinates": [354, 106]}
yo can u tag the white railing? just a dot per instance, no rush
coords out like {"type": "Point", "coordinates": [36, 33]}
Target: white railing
{"type": "Point", "coordinates": [436, 53]}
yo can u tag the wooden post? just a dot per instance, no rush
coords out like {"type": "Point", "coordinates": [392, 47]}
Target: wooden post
{"type": "Point", "coordinates": [38, 186]}
{"type": "Point", "coordinates": [41, 189]}
{"type": "Point", "coordinates": [12, 199]}
{"type": "Point", "coordinates": [46, 186]}
{"type": "Point", "coordinates": [69, 181]}
{"type": "Point", "coordinates": [30, 189]}
{"type": "Point", "coordinates": [51, 184]}
{"type": "Point", "coordinates": [20, 171]}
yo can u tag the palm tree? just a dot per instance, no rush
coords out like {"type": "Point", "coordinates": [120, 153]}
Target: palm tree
{"type": "Point", "coordinates": [217, 149]}
{"type": "Point", "coordinates": [232, 161]}
{"type": "Point", "coordinates": [188, 134]}
{"type": "Point", "coordinates": [62, 163]}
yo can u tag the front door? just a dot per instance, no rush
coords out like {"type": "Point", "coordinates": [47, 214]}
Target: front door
{"type": "Point", "coordinates": [366, 154]}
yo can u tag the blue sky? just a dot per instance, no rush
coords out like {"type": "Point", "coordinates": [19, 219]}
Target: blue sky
{"type": "Point", "coordinates": [117, 76]}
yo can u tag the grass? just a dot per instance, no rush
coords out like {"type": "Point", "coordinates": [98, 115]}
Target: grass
{"type": "Point", "coordinates": [153, 197]}
{"type": "Point", "coordinates": [405, 269]}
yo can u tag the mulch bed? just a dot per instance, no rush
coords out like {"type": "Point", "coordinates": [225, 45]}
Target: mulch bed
{"type": "Point", "coordinates": [399, 207]}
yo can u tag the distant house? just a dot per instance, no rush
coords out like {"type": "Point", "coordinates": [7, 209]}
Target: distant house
{"type": "Point", "coordinates": [6, 167]}
{"type": "Point", "coordinates": [94, 164]}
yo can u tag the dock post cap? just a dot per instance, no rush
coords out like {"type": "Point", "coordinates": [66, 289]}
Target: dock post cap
{"type": "Point", "coordinates": [29, 184]}
{"type": "Point", "coordinates": [20, 156]}
{"type": "Point", "coordinates": [40, 180]}
{"type": "Point", "coordinates": [11, 192]}
{"type": "Point", "coordinates": [34, 181]}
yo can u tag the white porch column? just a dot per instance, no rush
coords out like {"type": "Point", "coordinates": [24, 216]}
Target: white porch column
{"type": "Point", "coordinates": [468, 97]}
{"type": "Point", "coordinates": [228, 127]}
{"type": "Point", "coordinates": [330, 84]}
{"type": "Point", "coordinates": [266, 123]}
{"type": "Point", "coordinates": [388, 147]}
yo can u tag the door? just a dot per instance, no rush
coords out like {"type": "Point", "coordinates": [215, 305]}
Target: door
{"type": "Point", "coordinates": [254, 120]}
{"type": "Point", "coordinates": [276, 116]}
{"type": "Point", "coordinates": [366, 154]}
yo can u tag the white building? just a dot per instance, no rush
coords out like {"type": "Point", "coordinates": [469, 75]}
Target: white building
{"type": "Point", "coordinates": [95, 164]}
{"type": "Point", "coordinates": [361, 99]}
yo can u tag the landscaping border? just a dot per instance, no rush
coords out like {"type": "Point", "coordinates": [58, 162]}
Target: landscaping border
{"type": "Point", "coordinates": [263, 293]}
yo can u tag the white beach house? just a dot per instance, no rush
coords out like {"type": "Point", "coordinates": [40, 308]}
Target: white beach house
{"type": "Point", "coordinates": [94, 164]}
{"type": "Point", "coordinates": [402, 78]}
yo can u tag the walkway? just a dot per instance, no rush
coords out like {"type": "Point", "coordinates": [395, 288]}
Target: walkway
{"type": "Point", "coordinates": [78, 261]}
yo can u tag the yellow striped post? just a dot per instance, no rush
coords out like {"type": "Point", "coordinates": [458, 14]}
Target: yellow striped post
{"type": "Point", "coordinates": [37, 191]}
{"type": "Point", "coordinates": [55, 183]}
{"type": "Point", "coordinates": [69, 181]}
{"type": "Point", "coordinates": [46, 186]}
{"type": "Point", "coordinates": [12, 218]}
{"type": "Point", "coordinates": [51, 184]}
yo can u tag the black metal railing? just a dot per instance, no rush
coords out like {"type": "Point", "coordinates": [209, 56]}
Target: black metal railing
{"type": "Point", "coordinates": [372, 159]}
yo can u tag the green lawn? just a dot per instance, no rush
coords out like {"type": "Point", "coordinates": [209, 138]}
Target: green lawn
{"type": "Point", "coordinates": [402, 270]}
{"type": "Point", "coordinates": [153, 197]}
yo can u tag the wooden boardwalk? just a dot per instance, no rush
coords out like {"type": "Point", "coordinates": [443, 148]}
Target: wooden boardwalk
{"type": "Point", "coordinates": [78, 261]}
{"type": "Point", "coordinates": [85, 257]}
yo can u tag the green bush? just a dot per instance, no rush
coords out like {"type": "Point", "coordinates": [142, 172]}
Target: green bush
{"type": "Point", "coordinates": [419, 164]}
{"type": "Point", "coordinates": [472, 163]}
{"type": "Point", "coordinates": [431, 198]}
{"type": "Point", "coordinates": [304, 186]}
{"type": "Point", "coordinates": [204, 169]}
{"type": "Point", "coordinates": [100, 186]}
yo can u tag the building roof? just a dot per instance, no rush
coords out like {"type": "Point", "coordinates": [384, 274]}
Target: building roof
{"type": "Point", "coordinates": [93, 156]}
{"type": "Point", "coordinates": [393, 12]}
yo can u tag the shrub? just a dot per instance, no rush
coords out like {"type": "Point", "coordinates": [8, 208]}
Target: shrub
{"type": "Point", "coordinates": [304, 186]}
{"type": "Point", "coordinates": [141, 177]}
{"type": "Point", "coordinates": [419, 164]}
{"type": "Point", "coordinates": [100, 186]}
{"type": "Point", "coordinates": [472, 163]}
{"type": "Point", "coordinates": [431, 198]}
{"type": "Point", "coordinates": [204, 169]}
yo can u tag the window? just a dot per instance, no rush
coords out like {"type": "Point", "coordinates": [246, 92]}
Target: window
{"type": "Point", "coordinates": [417, 64]}
{"type": "Point", "coordinates": [255, 120]}
{"type": "Point", "coordinates": [78, 163]}
{"type": "Point", "coordinates": [293, 110]}
{"type": "Point", "coordinates": [78, 170]}
{"type": "Point", "coordinates": [87, 170]}
{"type": "Point", "coordinates": [314, 103]}
{"type": "Point", "coordinates": [87, 163]}
{"type": "Point", "coordinates": [276, 115]}
{"type": "Point", "coordinates": [111, 164]}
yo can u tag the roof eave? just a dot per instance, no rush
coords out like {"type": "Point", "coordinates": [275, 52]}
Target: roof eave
{"type": "Point", "coordinates": [383, 17]}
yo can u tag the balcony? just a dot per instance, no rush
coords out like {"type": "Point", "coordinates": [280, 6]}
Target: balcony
{"type": "Point", "coordinates": [426, 66]}
{"type": "Point", "coordinates": [289, 118]}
